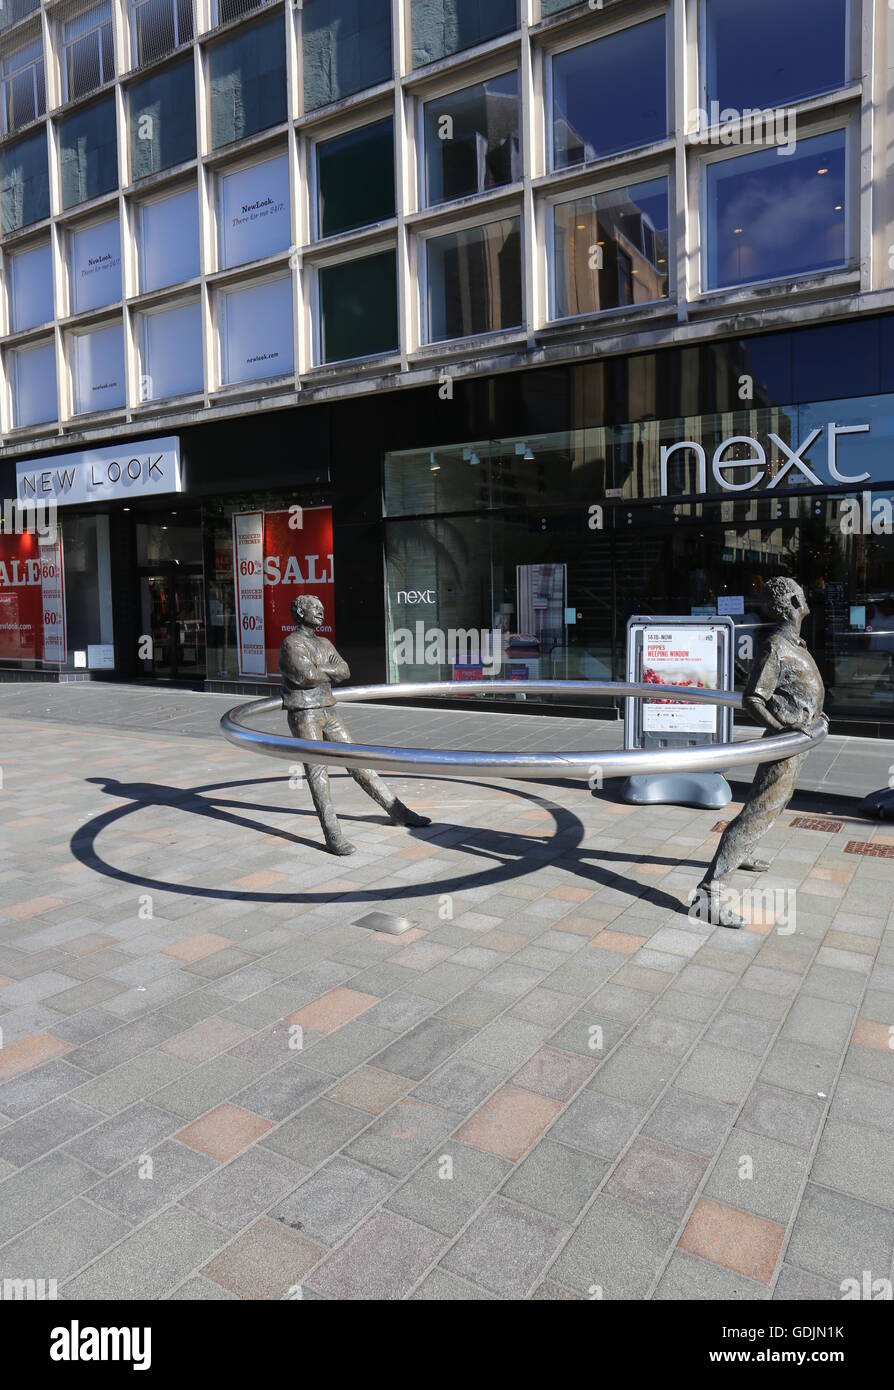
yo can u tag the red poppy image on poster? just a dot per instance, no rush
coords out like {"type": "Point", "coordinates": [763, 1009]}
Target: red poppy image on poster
{"type": "Point", "coordinates": [297, 559]}
{"type": "Point", "coordinates": [32, 599]}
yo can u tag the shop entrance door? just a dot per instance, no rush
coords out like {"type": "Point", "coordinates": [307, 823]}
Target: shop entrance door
{"type": "Point", "coordinates": [173, 607]}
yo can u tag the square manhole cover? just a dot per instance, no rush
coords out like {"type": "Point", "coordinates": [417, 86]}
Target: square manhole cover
{"type": "Point", "coordinates": [384, 921]}
{"type": "Point", "coordinates": [870, 848]}
{"type": "Point", "coordinates": [831, 827]}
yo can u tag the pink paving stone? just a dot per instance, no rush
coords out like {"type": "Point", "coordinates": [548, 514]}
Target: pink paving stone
{"type": "Point", "coordinates": [207, 1039]}
{"type": "Point", "coordinates": [509, 1122]}
{"type": "Point", "coordinates": [622, 942]}
{"type": "Point", "coordinates": [33, 907]}
{"type": "Point", "coordinates": [197, 947]}
{"type": "Point", "coordinates": [262, 878]}
{"type": "Point", "coordinates": [30, 1052]}
{"type": "Point", "coordinates": [332, 1010]}
{"type": "Point", "coordinates": [224, 1132]}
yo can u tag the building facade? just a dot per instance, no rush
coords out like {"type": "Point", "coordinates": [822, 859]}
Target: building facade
{"type": "Point", "coordinates": [511, 317]}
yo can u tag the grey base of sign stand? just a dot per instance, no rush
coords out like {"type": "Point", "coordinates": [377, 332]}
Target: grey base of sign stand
{"type": "Point", "coordinates": [708, 790]}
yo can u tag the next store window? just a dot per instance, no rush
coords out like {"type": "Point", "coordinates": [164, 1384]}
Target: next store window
{"type": "Point", "coordinates": [474, 280]}
{"type": "Point", "coordinates": [355, 178]}
{"type": "Point", "coordinates": [472, 139]}
{"type": "Point", "coordinates": [610, 249]}
{"type": "Point", "coordinates": [358, 307]}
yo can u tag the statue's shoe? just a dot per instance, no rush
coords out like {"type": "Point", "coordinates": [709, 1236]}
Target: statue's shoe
{"type": "Point", "coordinates": [756, 864]}
{"type": "Point", "coordinates": [713, 907]}
{"type": "Point", "coordinates": [402, 815]}
{"type": "Point", "coordinates": [341, 847]}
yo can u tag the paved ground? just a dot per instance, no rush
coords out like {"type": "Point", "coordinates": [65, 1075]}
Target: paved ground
{"type": "Point", "coordinates": [555, 1083]}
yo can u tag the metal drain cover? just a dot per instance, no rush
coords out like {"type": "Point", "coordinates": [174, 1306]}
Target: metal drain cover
{"type": "Point", "coordinates": [384, 921]}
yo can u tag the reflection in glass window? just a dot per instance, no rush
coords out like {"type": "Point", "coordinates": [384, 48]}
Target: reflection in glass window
{"type": "Point", "coordinates": [611, 249]}
{"type": "Point", "coordinates": [32, 372]}
{"type": "Point", "coordinates": [347, 47]}
{"type": "Point", "coordinates": [162, 120]}
{"type": "Point", "coordinates": [355, 178]}
{"type": "Point", "coordinates": [610, 94]}
{"type": "Point", "coordinates": [24, 86]}
{"type": "Point", "coordinates": [358, 308]}
{"type": "Point", "coordinates": [24, 182]}
{"type": "Point", "coordinates": [88, 153]}
{"type": "Point", "coordinates": [447, 26]}
{"type": "Point", "coordinates": [169, 239]}
{"type": "Point", "coordinates": [769, 216]}
{"type": "Point", "coordinates": [160, 26]}
{"type": "Point", "coordinates": [764, 53]}
{"type": "Point", "coordinates": [247, 82]}
{"type": "Point", "coordinates": [96, 359]}
{"type": "Point", "coordinates": [94, 265]}
{"type": "Point", "coordinates": [255, 324]}
{"type": "Point", "coordinates": [87, 52]}
{"type": "Point", "coordinates": [253, 211]}
{"type": "Point", "coordinates": [171, 351]}
{"type": "Point", "coordinates": [474, 280]}
{"type": "Point", "coordinates": [472, 139]}
{"type": "Point", "coordinates": [31, 286]}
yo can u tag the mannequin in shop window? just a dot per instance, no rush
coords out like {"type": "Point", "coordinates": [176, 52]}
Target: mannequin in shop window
{"type": "Point", "coordinates": [310, 666]}
{"type": "Point", "coordinates": [785, 692]}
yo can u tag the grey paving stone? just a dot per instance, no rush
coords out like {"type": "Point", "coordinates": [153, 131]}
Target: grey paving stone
{"type": "Point", "coordinates": [333, 1200]}
{"type": "Point", "coordinates": [448, 1187]}
{"type": "Point", "coordinates": [851, 1159]}
{"type": "Point", "coordinates": [688, 1277]}
{"type": "Point", "coordinates": [856, 1100]}
{"type": "Point", "coordinates": [673, 1036]}
{"type": "Point", "coordinates": [316, 1132]}
{"type": "Point", "coordinates": [556, 1180]}
{"type": "Point", "coordinates": [554, 1073]}
{"type": "Point", "coordinates": [696, 1008]}
{"type": "Point", "coordinates": [634, 1074]}
{"type": "Point", "coordinates": [590, 1032]}
{"type": "Point", "coordinates": [657, 1178]}
{"type": "Point", "coordinates": [126, 1136]}
{"type": "Point", "coordinates": [506, 1043]}
{"type": "Point", "coordinates": [111, 1049]}
{"type": "Point", "coordinates": [400, 1011]}
{"type": "Point", "coordinates": [459, 1085]}
{"type": "Point", "coordinates": [819, 1023]}
{"type": "Point", "coordinates": [441, 1288]}
{"type": "Point", "coordinates": [694, 1123]}
{"type": "Point", "coordinates": [39, 1189]}
{"type": "Point", "coordinates": [39, 1086]}
{"type": "Point", "coordinates": [795, 1066]}
{"type": "Point", "coordinates": [838, 1237]}
{"type": "Point", "coordinates": [505, 1248]}
{"type": "Point", "coordinates": [205, 1087]}
{"type": "Point", "coordinates": [758, 1174]}
{"type": "Point", "coordinates": [423, 1048]}
{"type": "Point", "coordinates": [741, 1032]}
{"type": "Point", "coordinates": [616, 1249]}
{"type": "Point", "coordinates": [238, 1193]}
{"type": "Point", "coordinates": [283, 1091]}
{"type": "Point", "coordinates": [383, 1259]}
{"type": "Point", "coordinates": [44, 1129]}
{"type": "Point", "coordinates": [719, 1073]}
{"type": "Point", "coordinates": [115, 1090]}
{"type": "Point", "coordinates": [598, 1124]}
{"type": "Point", "coordinates": [58, 1246]}
{"type": "Point", "coordinates": [799, 1285]}
{"type": "Point", "coordinates": [143, 1186]}
{"type": "Point", "coordinates": [201, 1289]}
{"type": "Point", "coordinates": [544, 1006]}
{"type": "Point", "coordinates": [400, 1138]}
{"type": "Point", "coordinates": [152, 1261]}
{"type": "Point", "coordinates": [784, 1115]}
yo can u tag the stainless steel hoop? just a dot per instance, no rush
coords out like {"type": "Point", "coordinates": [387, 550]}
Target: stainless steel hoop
{"type": "Point", "coordinates": [716, 757]}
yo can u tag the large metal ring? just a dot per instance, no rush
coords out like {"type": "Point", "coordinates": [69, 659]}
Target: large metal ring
{"type": "Point", "coordinates": [717, 757]}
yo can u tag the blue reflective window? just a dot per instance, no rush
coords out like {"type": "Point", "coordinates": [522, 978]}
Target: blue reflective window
{"type": "Point", "coordinates": [610, 94]}
{"type": "Point", "coordinates": [764, 52]}
{"type": "Point", "coordinates": [472, 139]}
{"type": "Point", "coordinates": [611, 249]}
{"type": "Point", "coordinates": [347, 47]}
{"type": "Point", "coordinates": [441, 27]}
{"type": "Point", "coordinates": [770, 215]}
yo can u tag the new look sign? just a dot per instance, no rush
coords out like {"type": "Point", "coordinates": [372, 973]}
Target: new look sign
{"type": "Point", "coordinates": [141, 469]}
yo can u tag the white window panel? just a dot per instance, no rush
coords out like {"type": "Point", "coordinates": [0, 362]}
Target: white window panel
{"type": "Point", "coordinates": [255, 324]}
{"type": "Point", "coordinates": [32, 372]}
{"type": "Point", "coordinates": [95, 265]}
{"type": "Point", "coordinates": [169, 240]}
{"type": "Point", "coordinates": [253, 211]}
{"type": "Point", "coordinates": [31, 287]}
{"type": "Point", "coordinates": [171, 351]}
{"type": "Point", "coordinates": [97, 369]}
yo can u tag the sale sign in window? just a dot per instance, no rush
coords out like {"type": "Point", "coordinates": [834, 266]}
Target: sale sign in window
{"type": "Point", "coordinates": [277, 556]}
{"type": "Point", "coordinates": [32, 600]}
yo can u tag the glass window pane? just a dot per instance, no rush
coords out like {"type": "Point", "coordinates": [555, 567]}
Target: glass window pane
{"type": "Point", "coordinates": [24, 183]}
{"type": "Point", "coordinates": [474, 280]}
{"type": "Point", "coordinates": [159, 27]}
{"type": "Point", "coordinates": [171, 352]}
{"type": "Point", "coordinates": [33, 375]}
{"type": "Point", "coordinates": [446, 26]}
{"type": "Point", "coordinates": [355, 177]}
{"type": "Point", "coordinates": [24, 88]}
{"type": "Point", "coordinates": [97, 369]}
{"type": "Point", "coordinates": [162, 118]}
{"type": "Point", "coordinates": [611, 249]}
{"type": "Point", "coordinates": [358, 307]}
{"type": "Point", "coordinates": [253, 211]}
{"type": "Point", "coordinates": [88, 58]}
{"type": "Point", "coordinates": [247, 82]}
{"type": "Point", "coordinates": [472, 139]}
{"type": "Point", "coordinates": [169, 240]}
{"type": "Point", "coordinates": [88, 153]}
{"type": "Point", "coordinates": [610, 94]}
{"type": "Point", "coordinates": [347, 47]}
{"type": "Point", "coordinates": [95, 265]}
{"type": "Point", "coordinates": [764, 53]}
{"type": "Point", "coordinates": [770, 215]}
{"type": "Point", "coordinates": [256, 331]}
{"type": "Point", "coordinates": [31, 287]}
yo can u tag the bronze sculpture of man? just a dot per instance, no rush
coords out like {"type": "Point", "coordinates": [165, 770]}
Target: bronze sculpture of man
{"type": "Point", "coordinates": [310, 665]}
{"type": "Point", "coordinates": [784, 692]}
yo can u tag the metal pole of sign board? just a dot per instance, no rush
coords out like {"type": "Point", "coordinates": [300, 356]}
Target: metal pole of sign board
{"type": "Point", "coordinates": [679, 651]}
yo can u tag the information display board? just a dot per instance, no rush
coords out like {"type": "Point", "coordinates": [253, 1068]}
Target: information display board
{"type": "Point", "coordinates": [678, 651]}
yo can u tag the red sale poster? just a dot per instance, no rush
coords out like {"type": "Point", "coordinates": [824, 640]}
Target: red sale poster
{"type": "Point", "coordinates": [296, 556]}
{"type": "Point", "coordinates": [32, 599]}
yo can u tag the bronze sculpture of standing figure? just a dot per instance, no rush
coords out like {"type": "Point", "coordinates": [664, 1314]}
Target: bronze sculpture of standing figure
{"type": "Point", "coordinates": [784, 692]}
{"type": "Point", "coordinates": [310, 666]}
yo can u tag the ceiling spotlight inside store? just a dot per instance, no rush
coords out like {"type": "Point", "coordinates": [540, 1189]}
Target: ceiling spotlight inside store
{"type": "Point", "coordinates": [838, 207]}
{"type": "Point", "coordinates": [433, 463]}
{"type": "Point", "coordinates": [822, 171]}
{"type": "Point", "coordinates": [737, 231]}
{"type": "Point", "coordinates": [525, 451]}
{"type": "Point", "coordinates": [471, 458]}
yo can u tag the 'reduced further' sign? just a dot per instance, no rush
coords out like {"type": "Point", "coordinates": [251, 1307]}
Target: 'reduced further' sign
{"type": "Point", "coordinates": [139, 469]}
